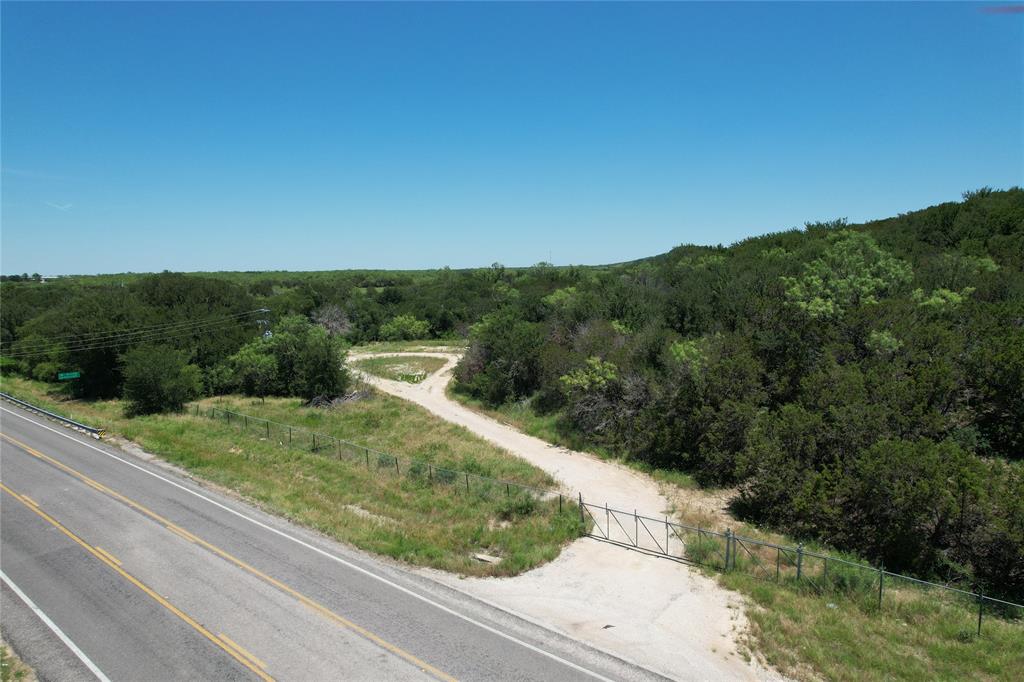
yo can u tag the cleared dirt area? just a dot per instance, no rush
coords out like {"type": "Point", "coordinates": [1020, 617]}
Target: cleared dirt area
{"type": "Point", "coordinates": [659, 613]}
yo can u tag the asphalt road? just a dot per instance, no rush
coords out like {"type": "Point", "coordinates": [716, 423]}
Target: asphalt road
{"type": "Point", "coordinates": [135, 572]}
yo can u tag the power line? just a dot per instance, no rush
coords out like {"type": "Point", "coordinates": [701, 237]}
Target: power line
{"type": "Point", "coordinates": [91, 337]}
{"type": "Point", "coordinates": [116, 343]}
{"type": "Point", "coordinates": [134, 337]}
{"type": "Point", "coordinates": [95, 336]}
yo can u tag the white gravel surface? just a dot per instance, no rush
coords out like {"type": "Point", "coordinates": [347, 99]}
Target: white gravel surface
{"type": "Point", "coordinates": [655, 612]}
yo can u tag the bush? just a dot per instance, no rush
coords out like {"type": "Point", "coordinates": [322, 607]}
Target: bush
{"type": "Point", "coordinates": [404, 328]}
{"type": "Point", "coordinates": [158, 379]}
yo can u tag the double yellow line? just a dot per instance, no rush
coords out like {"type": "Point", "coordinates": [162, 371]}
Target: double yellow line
{"type": "Point", "coordinates": [113, 563]}
{"type": "Point", "coordinates": [186, 535]}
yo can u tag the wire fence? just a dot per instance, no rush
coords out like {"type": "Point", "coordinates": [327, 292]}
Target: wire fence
{"type": "Point", "coordinates": [872, 588]}
{"type": "Point", "coordinates": [377, 461]}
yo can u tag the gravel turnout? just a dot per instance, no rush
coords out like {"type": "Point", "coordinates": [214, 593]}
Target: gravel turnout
{"type": "Point", "coordinates": [659, 613]}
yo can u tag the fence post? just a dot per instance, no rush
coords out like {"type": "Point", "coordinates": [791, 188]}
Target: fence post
{"type": "Point", "coordinates": [314, 442]}
{"type": "Point", "coordinates": [289, 435]}
{"type": "Point", "coordinates": [636, 529]}
{"type": "Point", "coordinates": [799, 560]}
{"type": "Point", "coordinates": [508, 491]}
{"type": "Point", "coordinates": [245, 421]}
{"type": "Point", "coordinates": [666, 537]}
{"type": "Point", "coordinates": [581, 508]}
{"type": "Point", "coordinates": [881, 583]}
{"type": "Point", "coordinates": [981, 605]}
{"type": "Point", "coordinates": [607, 522]}
{"type": "Point", "coordinates": [367, 457]}
{"type": "Point", "coordinates": [467, 482]}
{"type": "Point", "coordinates": [778, 561]}
{"type": "Point", "coordinates": [268, 430]}
{"type": "Point", "coordinates": [397, 472]}
{"type": "Point", "coordinates": [559, 503]}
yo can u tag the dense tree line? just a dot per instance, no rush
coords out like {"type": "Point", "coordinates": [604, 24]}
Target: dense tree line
{"type": "Point", "coordinates": [862, 385]}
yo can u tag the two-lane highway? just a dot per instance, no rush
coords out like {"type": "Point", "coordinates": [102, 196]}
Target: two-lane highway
{"type": "Point", "coordinates": [138, 573]}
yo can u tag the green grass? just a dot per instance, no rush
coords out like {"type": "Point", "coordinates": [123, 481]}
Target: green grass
{"type": "Point", "coordinates": [407, 346]}
{"type": "Point", "coordinates": [409, 520]}
{"type": "Point", "coordinates": [12, 668]}
{"type": "Point", "coordinates": [410, 369]}
{"type": "Point", "coordinates": [917, 635]}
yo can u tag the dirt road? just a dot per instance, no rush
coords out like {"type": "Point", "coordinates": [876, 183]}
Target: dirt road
{"type": "Point", "coordinates": [658, 613]}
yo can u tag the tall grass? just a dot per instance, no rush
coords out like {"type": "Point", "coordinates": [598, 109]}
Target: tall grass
{"type": "Point", "coordinates": [406, 518]}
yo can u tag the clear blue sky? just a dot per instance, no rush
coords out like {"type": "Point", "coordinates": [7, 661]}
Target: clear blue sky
{"type": "Point", "coordinates": [195, 136]}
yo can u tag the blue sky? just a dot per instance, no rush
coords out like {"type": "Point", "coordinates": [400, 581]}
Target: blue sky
{"type": "Point", "coordinates": [192, 136]}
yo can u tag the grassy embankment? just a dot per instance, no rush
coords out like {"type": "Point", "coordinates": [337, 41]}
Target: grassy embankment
{"type": "Point", "coordinates": [916, 635]}
{"type": "Point", "coordinates": [12, 668]}
{"type": "Point", "coordinates": [394, 516]}
{"type": "Point", "coordinates": [411, 369]}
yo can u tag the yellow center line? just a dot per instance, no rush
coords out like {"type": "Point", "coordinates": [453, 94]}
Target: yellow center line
{"type": "Point", "coordinates": [178, 530]}
{"type": "Point", "coordinates": [30, 501]}
{"type": "Point", "coordinates": [242, 650]}
{"type": "Point", "coordinates": [104, 552]}
{"type": "Point", "coordinates": [135, 581]}
{"type": "Point", "coordinates": [180, 534]}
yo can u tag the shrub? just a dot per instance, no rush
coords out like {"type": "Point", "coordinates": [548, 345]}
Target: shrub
{"type": "Point", "coordinates": [158, 379]}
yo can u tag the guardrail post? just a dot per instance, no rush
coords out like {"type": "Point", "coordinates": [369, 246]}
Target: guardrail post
{"type": "Point", "coordinates": [799, 560]}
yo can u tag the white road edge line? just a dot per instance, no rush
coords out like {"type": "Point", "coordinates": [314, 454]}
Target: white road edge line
{"type": "Point", "coordinates": [56, 630]}
{"type": "Point", "coordinates": [338, 559]}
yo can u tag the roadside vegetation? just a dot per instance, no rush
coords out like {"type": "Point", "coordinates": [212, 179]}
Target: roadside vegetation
{"type": "Point", "coordinates": [410, 369]}
{"type": "Point", "coordinates": [12, 668]}
{"type": "Point", "coordinates": [857, 387]}
{"type": "Point", "coordinates": [808, 635]}
{"type": "Point", "coordinates": [411, 521]}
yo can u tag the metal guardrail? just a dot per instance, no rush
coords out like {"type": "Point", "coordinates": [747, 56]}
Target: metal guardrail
{"type": "Point", "coordinates": [78, 426]}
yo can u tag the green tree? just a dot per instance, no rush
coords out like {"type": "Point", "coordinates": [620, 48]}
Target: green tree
{"type": "Point", "coordinates": [854, 270]}
{"type": "Point", "coordinates": [158, 379]}
{"type": "Point", "coordinates": [255, 369]}
{"type": "Point", "coordinates": [404, 328]}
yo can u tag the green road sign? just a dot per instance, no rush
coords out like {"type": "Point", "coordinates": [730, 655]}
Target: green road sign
{"type": "Point", "coordinates": [64, 376]}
